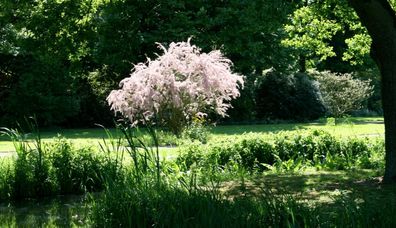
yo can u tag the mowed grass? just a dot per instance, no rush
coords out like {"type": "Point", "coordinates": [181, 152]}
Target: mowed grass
{"type": "Point", "coordinates": [360, 127]}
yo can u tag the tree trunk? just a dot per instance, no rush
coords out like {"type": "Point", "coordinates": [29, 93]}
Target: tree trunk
{"type": "Point", "coordinates": [302, 61]}
{"type": "Point", "coordinates": [380, 20]}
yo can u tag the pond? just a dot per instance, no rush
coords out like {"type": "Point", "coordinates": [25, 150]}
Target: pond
{"type": "Point", "coordinates": [61, 211]}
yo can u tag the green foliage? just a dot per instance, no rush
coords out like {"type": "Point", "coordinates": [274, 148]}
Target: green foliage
{"type": "Point", "coordinates": [191, 194]}
{"type": "Point", "coordinates": [173, 206]}
{"type": "Point", "coordinates": [52, 100]}
{"type": "Point", "coordinates": [177, 199]}
{"type": "Point", "coordinates": [342, 93]}
{"type": "Point", "coordinates": [310, 32]}
{"type": "Point", "coordinates": [283, 96]}
{"type": "Point", "coordinates": [197, 130]}
{"type": "Point", "coordinates": [32, 176]}
{"type": "Point", "coordinates": [286, 152]}
{"type": "Point", "coordinates": [192, 154]}
{"type": "Point", "coordinates": [78, 170]}
{"type": "Point", "coordinates": [146, 199]}
{"type": "Point", "coordinates": [86, 47]}
{"type": "Point", "coordinates": [328, 31]}
{"type": "Point", "coordinates": [42, 169]}
{"type": "Point", "coordinates": [51, 43]}
{"type": "Point", "coordinates": [6, 178]}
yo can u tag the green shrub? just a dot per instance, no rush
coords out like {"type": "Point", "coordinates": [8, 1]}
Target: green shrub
{"type": "Point", "coordinates": [42, 169]}
{"type": "Point", "coordinates": [32, 170]}
{"type": "Point", "coordinates": [78, 170]}
{"type": "Point", "coordinates": [253, 152]}
{"type": "Point", "coordinates": [88, 170]}
{"type": "Point", "coordinates": [335, 87]}
{"type": "Point", "coordinates": [284, 149]}
{"type": "Point", "coordinates": [191, 154]}
{"type": "Point", "coordinates": [196, 131]}
{"type": "Point", "coordinates": [62, 161]}
{"type": "Point", "coordinates": [291, 97]}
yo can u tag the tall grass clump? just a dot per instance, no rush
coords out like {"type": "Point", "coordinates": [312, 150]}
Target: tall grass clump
{"type": "Point", "coordinates": [47, 169]}
{"type": "Point", "coordinates": [79, 170]}
{"type": "Point", "coordinates": [6, 178]}
{"type": "Point", "coordinates": [32, 174]}
{"type": "Point", "coordinates": [129, 205]}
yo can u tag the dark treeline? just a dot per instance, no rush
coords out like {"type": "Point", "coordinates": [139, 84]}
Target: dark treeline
{"type": "Point", "coordinates": [59, 59]}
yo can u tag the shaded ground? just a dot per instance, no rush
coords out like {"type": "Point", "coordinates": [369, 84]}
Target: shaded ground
{"type": "Point", "coordinates": [321, 188]}
{"type": "Point", "coordinates": [313, 186]}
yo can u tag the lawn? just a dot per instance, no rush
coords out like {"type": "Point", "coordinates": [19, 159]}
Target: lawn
{"type": "Point", "coordinates": [367, 126]}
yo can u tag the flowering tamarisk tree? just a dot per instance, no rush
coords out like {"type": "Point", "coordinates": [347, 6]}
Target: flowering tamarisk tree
{"type": "Point", "coordinates": [180, 84]}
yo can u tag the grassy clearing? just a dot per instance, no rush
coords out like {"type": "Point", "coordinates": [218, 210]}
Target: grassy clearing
{"type": "Point", "coordinates": [368, 126]}
{"type": "Point", "coordinates": [348, 127]}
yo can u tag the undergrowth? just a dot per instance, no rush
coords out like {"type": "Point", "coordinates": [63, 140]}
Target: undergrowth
{"type": "Point", "coordinates": [149, 191]}
{"type": "Point", "coordinates": [287, 152]}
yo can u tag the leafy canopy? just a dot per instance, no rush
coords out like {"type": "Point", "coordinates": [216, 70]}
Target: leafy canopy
{"type": "Point", "coordinates": [313, 30]}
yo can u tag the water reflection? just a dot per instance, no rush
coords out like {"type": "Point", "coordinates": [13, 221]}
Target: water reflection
{"type": "Point", "coordinates": [62, 211]}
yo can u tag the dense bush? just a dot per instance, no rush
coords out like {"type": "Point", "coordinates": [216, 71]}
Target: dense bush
{"type": "Point", "coordinates": [77, 170]}
{"type": "Point", "coordinates": [292, 97]}
{"type": "Point", "coordinates": [342, 93]}
{"type": "Point", "coordinates": [197, 130]}
{"type": "Point", "coordinates": [313, 148]}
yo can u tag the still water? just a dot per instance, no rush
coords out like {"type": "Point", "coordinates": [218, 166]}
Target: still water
{"type": "Point", "coordinates": [61, 211]}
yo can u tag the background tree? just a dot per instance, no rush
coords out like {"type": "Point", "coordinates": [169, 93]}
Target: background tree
{"type": "Point", "coordinates": [328, 36]}
{"type": "Point", "coordinates": [51, 46]}
{"type": "Point", "coordinates": [60, 59]}
{"type": "Point", "coordinates": [341, 93]}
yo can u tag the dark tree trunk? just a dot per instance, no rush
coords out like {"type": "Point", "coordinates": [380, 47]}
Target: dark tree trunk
{"type": "Point", "coordinates": [380, 20]}
{"type": "Point", "coordinates": [303, 64]}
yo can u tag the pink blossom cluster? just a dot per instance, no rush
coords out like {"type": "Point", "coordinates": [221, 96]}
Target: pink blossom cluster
{"type": "Point", "coordinates": [182, 80]}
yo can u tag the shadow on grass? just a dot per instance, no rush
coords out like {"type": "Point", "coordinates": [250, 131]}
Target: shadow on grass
{"type": "Point", "coordinates": [277, 127]}
{"type": "Point", "coordinates": [312, 186]}
{"type": "Point", "coordinates": [260, 128]}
